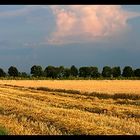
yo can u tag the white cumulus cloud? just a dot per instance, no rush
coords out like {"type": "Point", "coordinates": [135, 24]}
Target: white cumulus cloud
{"type": "Point", "coordinates": [87, 23]}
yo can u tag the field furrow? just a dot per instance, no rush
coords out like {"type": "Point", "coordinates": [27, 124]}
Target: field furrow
{"type": "Point", "coordinates": [28, 111]}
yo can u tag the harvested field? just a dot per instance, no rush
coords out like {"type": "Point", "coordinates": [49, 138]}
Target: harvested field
{"type": "Point", "coordinates": [103, 86]}
{"type": "Point", "coordinates": [46, 109]}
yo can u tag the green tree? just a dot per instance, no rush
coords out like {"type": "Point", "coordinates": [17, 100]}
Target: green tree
{"type": "Point", "coordinates": [137, 72]}
{"type": "Point", "coordinates": [106, 72]}
{"type": "Point", "coordinates": [94, 72]}
{"type": "Point", "coordinates": [13, 71]}
{"type": "Point", "coordinates": [51, 72]}
{"type": "Point", "coordinates": [74, 71]}
{"type": "Point", "coordinates": [84, 72]}
{"type": "Point", "coordinates": [127, 71]}
{"type": "Point", "coordinates": [36, 71]}
{"type": "Point", "coordinates": [67, 72]}
{"type": "Point", "coordinates": [116, 71]}
{"type": "Point", "coordinates": [2, 73]}
{"type": "Point", "coordinates": [60, 71]}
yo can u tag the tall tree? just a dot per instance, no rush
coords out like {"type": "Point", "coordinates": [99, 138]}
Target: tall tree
{"type": "Point", "coordinates": [74, 71]}
{"type": "Point", "coordinates": [13, 71]}
{"type": "Point", "coordinates": [84, 72]}
{"type": "Point", "coordinates": [36, 71]}
{"type": "Point", "coordinates": [116, 71]}
{"type": "Point", "coordinates": [106, 72]}
{"type": "Point", "coordinates": [60, 71]}
{"type": "Point", "coordinates": [137, 72]}
{"type": "Point", "coordinates": [94, 72]}
{"type": "Point", "coordinates": [127, 71]}
{"type": "Point", "coordinates": [2, 73]}
{"type": "Point", "coordinates": [67, 72]}
{"type": "Point", "coordinates": [51, 71]}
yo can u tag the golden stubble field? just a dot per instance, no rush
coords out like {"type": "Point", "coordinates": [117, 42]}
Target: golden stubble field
{"type": "Point", "coordinates": [33, 111]}
{"type": "Point", "coordinates": [103, 86]}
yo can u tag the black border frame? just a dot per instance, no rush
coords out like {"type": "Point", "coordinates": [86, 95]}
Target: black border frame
{"type": "Point", "coordinates": [68, 2]}
{"type": "Point", "coordinates": [71, 2]}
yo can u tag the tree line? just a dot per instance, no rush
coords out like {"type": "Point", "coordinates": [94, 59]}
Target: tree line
{"type": "Point", "coordinates": [62, 72]}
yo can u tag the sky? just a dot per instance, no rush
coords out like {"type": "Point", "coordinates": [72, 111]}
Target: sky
{"type": "Point", "coordinates": [80, 35]}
